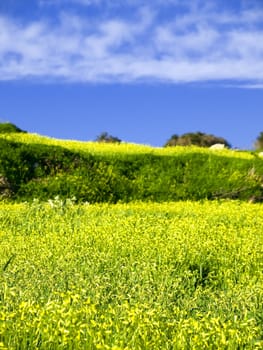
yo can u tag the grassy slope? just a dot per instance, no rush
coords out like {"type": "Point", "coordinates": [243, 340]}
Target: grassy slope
{"type": "Point", "coordinates": [39, 167]}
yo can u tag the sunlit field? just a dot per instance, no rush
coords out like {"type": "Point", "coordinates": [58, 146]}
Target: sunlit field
{"type": "Point", "coordinates": [124, 148]}
{"type": "Point", "coordinates": [184, 275]}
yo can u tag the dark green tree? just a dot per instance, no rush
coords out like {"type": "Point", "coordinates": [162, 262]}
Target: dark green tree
{"type": "Point", "coordinates": [106, 138]}
{"type": "Point", "coordinates": [196, 138]}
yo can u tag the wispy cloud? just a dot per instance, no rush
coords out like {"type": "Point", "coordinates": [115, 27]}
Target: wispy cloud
{"type": "Point", "coordinates": [193, 44]}
{"type": "Point", "coordinates": [110, 2]}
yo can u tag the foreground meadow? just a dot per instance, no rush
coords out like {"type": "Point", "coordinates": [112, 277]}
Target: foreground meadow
{"type": "Point", "coordinates": [183, 275]}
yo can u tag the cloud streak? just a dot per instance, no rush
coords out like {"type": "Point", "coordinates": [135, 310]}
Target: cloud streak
{"type": "Point", "coordinates": [186, 46]}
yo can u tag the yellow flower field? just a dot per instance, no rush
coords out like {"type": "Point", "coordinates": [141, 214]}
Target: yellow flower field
{"type": "Point", "coordinates": [184, 275]}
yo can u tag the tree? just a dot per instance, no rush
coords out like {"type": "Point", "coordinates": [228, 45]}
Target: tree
{"type": "Point", "coordinates": [173, 141]}
{"type": "Point", "coordinates": [196, 138]}
{"type": "Point", "coordinates": [106, 138]}
{"type": "Point", "coordinates": [9, 127]}
{"type": "Point", "coordinates": [259, 141]}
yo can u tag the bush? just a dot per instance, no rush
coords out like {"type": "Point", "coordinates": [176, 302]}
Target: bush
{"type": "Point", "coordinates": [259, 142]}
{"type": "Point", "coordinates": [105, 137]}
{"type": "Point", "coordinates": [198, 139]}
{"type": "Point", "coordinates": [9, 127]}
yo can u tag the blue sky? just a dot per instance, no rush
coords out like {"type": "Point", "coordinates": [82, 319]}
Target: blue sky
{"type": "Point", "coordinates": [140, 70]}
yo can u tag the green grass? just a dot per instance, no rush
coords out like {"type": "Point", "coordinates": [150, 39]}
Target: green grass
{"type": "Point", "coordinates": [33, 166]}
{"type": "Point", "coordinates": [183, 275]}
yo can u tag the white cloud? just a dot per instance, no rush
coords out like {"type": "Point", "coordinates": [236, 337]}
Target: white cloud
{"type": "Point", "coordinates": [110, 2]}
{"type": "Point", "coordinates": [188, 46]}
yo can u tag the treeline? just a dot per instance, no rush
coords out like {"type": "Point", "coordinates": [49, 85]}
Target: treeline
{"type": "Point", "coordinates": [198, 138]}
{"type": "Point", "coordinates": [29, 170]}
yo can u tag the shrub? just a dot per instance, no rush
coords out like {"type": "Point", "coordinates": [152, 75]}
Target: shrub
{"type": "Point", "coordinates": [105, 137]}
{"type": "Point", "coordinates": [259, 142]}
{"type": "Point", "coordinates": [198, 139]}
{"type": "Point", "coordinates": [9, 127]}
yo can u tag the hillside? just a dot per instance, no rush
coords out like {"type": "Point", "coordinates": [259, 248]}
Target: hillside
{"type": "Point", "coordinates": [34, 166]}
